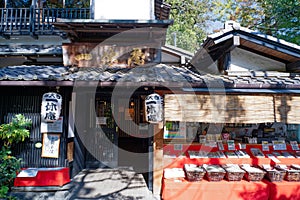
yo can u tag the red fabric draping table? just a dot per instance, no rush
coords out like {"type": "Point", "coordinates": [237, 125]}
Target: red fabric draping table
{"type": "Point", "coordinates": [203, 190]}
{"type": "Point", "coordinates": [284, 190]}
{"type": "Point", "coordinates": [45, 177]}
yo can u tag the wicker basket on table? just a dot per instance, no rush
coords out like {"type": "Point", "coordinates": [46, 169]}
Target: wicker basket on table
{"type": "Point", "coordinates": [214, 172]}
{"type": "Point", "coordinates": [253, 173]}
{"type": "Point", "coordinates": [273, 174]}
{"type": "Point", "coordinates": [292, 172]}
{"type": "Point", "coordinates": [194, 172]}
{"type": "Point", "coordinates": [233, 172]}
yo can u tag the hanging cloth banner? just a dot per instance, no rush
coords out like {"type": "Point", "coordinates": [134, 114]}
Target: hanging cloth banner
{"type": "Point", "coordinates": [51, 107]}
{"type": "Point", "coordinates": [154, 108]}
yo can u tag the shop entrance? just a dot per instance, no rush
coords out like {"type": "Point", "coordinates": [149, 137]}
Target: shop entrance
{"type": "Point", "coordinates": [103, 151]}
{"type": "Point", "coordinates": [113, 144]}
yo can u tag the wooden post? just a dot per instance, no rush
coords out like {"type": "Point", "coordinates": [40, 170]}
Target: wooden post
{"type": "Point", "coordinates": [157, 158]}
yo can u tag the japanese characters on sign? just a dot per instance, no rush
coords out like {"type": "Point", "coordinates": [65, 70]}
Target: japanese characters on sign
{"type": "Point", "coordinates": [50, 146]}
{"type": "Point", "coordinates": [154, 108]}
{"type": "Point", "coordinates": [51, 107]}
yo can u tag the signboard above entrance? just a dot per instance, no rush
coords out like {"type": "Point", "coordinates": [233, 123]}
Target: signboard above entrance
{"type": "Point", "coordinates": [102, 56]}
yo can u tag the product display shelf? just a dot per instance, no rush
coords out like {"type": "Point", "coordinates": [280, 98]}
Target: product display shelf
{"type": "Point", "coordinates": [183, 189]}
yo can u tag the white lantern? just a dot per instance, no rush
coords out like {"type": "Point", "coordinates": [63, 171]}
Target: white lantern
{"type": "Point", "coordinates": [51, 107]}
{"type": "Point", "coordinates": [154, 108]}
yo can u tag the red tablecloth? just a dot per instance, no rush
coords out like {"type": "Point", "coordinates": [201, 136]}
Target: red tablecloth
{"type": "Point", "coordinates": [243, 190]}
{"type": "Point", "coordinates": [45, 177]}
{"type": "Point", "coordinates": [182, 189]}
{"type": "Point", "coordinates": [284, 190]}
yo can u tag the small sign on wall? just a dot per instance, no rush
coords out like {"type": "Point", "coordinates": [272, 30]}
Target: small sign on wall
{"type": "Point", "coordinates": [50, 147]}
{"type": "Point", "coordinates": [54, 127]}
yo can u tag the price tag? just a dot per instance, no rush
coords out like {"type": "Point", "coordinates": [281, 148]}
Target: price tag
{"type": "Point", "coordinates": [279, 145]}
{"type": "Point", "coordinates": [294, 145]}
{"type": "Point", "coordinates": [220, 145]}
{"type": "Point", "coordinates": [265, 146]}
{"type": "Point", "coordinates": [231, 145]}
{"type": "Point", "coordinates": [242, 146]}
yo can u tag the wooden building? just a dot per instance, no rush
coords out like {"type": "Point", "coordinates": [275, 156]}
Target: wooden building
{"type": "Point", "coordinates": [105, 68]}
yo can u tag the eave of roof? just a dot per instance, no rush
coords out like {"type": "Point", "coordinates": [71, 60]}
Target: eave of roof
{"type": "Point", "coordinates": [246, 31]}
{"type": "Point", "coordinates": [255, 37]}
{"type": "Point", "coordinates": [151, 75]}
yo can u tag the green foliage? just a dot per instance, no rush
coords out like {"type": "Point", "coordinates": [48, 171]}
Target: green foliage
{"type": "Point", "coordinates": [189, 27]}
{"type": "Point", "coordinates": [9, 165]}
{"type": "Point", "coordinates": [15, 131]}
{"type": "Point", "coordinates": [11, 133]}
{"type": "Point", "coordinates": [279, 18]}
{"type": "Point", "coordinates": [246, 12]}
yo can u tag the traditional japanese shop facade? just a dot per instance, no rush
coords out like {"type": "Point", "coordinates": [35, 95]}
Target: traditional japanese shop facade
{"type": "Point", "coordinates": [239, 80]}
{"type": "Point", "coordinates": [244, 111]}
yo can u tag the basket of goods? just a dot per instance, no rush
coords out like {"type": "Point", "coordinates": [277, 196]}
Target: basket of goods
{"type": "Point", "coordinates": [233, 172]}
{"type": "Point", "coordinates": [214, 172]}
{"type": "Point", "coordinates": [253, 173]}
{"type": "Point", "coordinates": [292, 172]}
{"type": "Point", "coordinates": [273, 174]}
{"type": "Point", "coordinates": [194, 172]}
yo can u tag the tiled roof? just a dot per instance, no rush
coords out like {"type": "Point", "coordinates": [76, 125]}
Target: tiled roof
{"type": "Point", "coordinates": [155, 73]}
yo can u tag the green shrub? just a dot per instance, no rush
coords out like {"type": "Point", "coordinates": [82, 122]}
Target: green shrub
{"type": "Point", "coordinates": [11, 133]}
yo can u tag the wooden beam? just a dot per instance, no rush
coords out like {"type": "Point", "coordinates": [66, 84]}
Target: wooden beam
{"type": "Point", "coordinates": [157, 159]}
{"type": "Point", "coordinates": [293, 67]}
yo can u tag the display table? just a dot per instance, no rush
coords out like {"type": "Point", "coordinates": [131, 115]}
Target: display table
{"type": "Point", "coordinates": [58, 176]}
{"type": "Point", "coordinates": [182, 189]}
{"type": "Point", "coordinates": [243, 190]}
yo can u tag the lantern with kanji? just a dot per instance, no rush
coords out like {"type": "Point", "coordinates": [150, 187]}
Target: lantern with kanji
{"type": "Point", "coordinates": [154, 108]}
{"type": "Point", "coordinates": [51, 107]}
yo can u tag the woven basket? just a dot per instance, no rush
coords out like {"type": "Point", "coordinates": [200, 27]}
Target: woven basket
{"type": "Point", "coordinates": [254, 173]}
{"type": "Point", "coordinates": [275, 175]}
{"type": "Point", "coordinates": [234, 176]}
{"type": "Point", "coordinates": [214, 172]}
{"type": "Point", "coordinates": [254, 176]}
{"type": "Point", "coordinates": [193, 172]}
{"type": "Point", "coordinates": [215, 176]}
{"type": "Point", "coordinates": [233, 172]}
{"type": "Point", "coordinates": [291, 173]}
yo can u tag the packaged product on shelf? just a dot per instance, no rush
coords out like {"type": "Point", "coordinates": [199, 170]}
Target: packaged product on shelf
{"type": "Point", "coordinates": [287, 154]}
{"type": "Point", "coordinates": [273, 174]}
{"type": "Point", "coordinates": [257, 153]}
{"type": "Point", "coordinates": [231, 154]}
{"type": "Point", "coordinates": [197, 154]}
{"type": "Point", "coordinates": [194, 172]}
{"type": "Point", "coordinates": [242, 154]}
{"type": "Point", "coordinates": [253, 173]}
{"type": "Point", "coordinates": [221, 154]}
{"type": "Point", "coordinates": [213, 155]}
{"type": "Point", "coordinates": [277, 154]}
{"type": "Point", "coordinates": [292, 173]}
{"type": "Point", "coordinates": [214, 172]}
{"type": "Point", "coordinates": [233, 172]}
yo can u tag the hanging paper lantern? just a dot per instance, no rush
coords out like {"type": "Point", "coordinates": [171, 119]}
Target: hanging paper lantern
{"type": "Point", "coordinates": [51, 107]}
{"type": "Point", "coordinates": [154, 108]}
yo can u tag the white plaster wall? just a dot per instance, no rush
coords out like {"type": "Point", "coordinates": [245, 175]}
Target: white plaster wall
{"type": "Point", "coordinates": [124, 9]}
{"type": "Point", "coordinates": [242, 60]}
